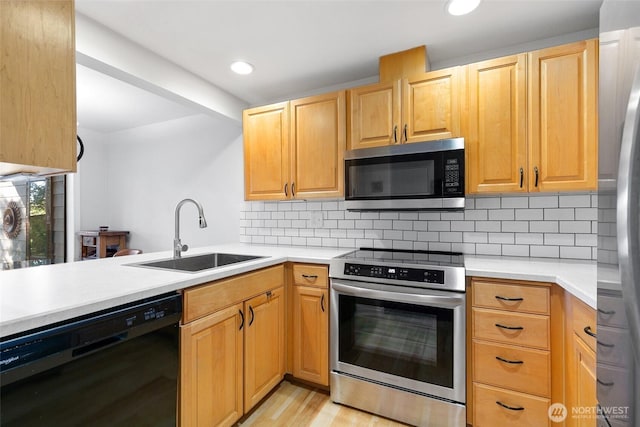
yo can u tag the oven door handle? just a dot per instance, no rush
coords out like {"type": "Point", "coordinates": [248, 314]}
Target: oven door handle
{"type": "Point", "coordinates": [451, 299]}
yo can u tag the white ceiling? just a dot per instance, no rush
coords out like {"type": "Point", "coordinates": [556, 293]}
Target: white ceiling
{"type": "Point", "coordinates": [300, 46]}
{"type": "Point", "coordinates": [106, 104]}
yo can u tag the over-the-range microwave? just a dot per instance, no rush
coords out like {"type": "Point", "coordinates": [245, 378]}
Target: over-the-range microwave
{"type": "Point", "coordinates": [418, 176]}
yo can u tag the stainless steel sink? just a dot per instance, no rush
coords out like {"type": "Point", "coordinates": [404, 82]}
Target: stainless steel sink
{"type": "Point", "coordinates": [198, 262]}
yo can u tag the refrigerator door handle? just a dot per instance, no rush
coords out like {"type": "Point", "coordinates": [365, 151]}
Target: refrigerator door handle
{"type": "Point", "coordinates": [628, 227]}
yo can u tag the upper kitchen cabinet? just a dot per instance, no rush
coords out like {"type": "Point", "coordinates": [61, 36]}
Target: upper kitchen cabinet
{"type": "Point", "coordinates": [374, 114]}
{"type": "Point", "coordinates": [422, 107]}
{"type": "Point", "coordinates": [37, 82]}
{"type": "Point", "coordinates": [496, 140]}
{"type": "Point", "coordinates": [532, 123]}
{"type": "Point", "coordinates": [563, 128]}
{"type": "Point", "coordinates": [318, 142]}
{"type": "Point", "coordinates": [295, 149]}
{"type": "Point", "coordinates": [266, 152]}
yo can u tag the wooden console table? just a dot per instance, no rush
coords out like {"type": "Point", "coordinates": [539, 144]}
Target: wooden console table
{"type": "Point", "coordinates": [101, 244]}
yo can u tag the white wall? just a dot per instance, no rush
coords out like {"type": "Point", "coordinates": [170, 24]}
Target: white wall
{"type": "Point", "coordinates": [151, 168]}
{"type": "Point", "coordinates": [93, 181]}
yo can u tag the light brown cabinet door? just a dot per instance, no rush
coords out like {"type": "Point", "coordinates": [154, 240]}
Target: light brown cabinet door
{"type": "Point", "coordinates": [266, 152]}
{"type": "Point", "coordinates": [496, 144]}
{"type": "Point", "coordinates": [563, 127]}
{"type": "Point", "coordinates": [318, 141]}
{"type": "Point", "coordinates": [211, 369]}
{"type": "Point", "coordinates": [38, 102]}
{"type": "Point", "coordinates": [585, 381]}
{"type": "Point", "coordinates": [374, 115]}
{"type": "Point", "coordinates": [431, 105]}
{"type": "Point", "coordinates": [311, 334]}
{"type": "Point", "coordinates": [264, 345]}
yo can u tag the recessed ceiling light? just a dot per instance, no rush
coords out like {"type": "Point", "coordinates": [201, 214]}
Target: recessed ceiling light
{"type": "Point", "coordinates": [241, 67]}
{"type": "Point", "coordinates": [461, 7]}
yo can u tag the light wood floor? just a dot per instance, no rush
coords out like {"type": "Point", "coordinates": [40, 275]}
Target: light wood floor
{"type": "Point", "coordinates": [298, 406]}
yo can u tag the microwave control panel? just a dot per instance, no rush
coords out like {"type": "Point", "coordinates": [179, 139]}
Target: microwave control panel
{"type": "Point", "coordinates": [453, 182]}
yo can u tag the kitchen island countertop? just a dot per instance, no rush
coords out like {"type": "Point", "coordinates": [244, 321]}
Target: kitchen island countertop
{"type": "Point", "coordinates": [39, 296]}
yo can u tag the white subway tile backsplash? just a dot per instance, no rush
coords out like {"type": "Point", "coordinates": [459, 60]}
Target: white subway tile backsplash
{"type": "Point", "coordinates": [488, 203]}
{"type": "Point", "coordinates": [575, 201]}
{"type": "Point", "coordinates": [545, 225]}
{"type": "Point", "coordinates": [543, 202]}
{"type": "Point", "coordinates": [575, 226]}
{"type": "Point", "coordinates": [529, 214]}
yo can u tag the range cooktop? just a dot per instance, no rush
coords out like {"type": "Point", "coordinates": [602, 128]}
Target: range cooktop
{"type": "Point", "coordinates": [426, 269]}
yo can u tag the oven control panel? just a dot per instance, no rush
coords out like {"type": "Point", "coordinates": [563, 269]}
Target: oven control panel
{"type": "Point", "coordinates": [421, 275]}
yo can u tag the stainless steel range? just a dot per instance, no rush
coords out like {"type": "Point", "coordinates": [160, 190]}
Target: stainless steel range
{"type": "Point", "coordinates": [398, 335]}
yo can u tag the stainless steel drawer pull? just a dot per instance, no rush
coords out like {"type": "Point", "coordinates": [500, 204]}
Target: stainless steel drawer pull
{"type": "Point", "coordinates": [514, 362]}
{"type": "Point", "coordinates": [511, 328]}
{"type": "Point", "coordinates": [587, 330]}
{"type": "Point", "coordinates": [511, 408]}
{"type": "Point", "coordinates": [508, 299]}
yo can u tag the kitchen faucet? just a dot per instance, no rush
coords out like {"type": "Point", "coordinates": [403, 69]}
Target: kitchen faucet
{"type": "Point", "coordinates": [178, 247]}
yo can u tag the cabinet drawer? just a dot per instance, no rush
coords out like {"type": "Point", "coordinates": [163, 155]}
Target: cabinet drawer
{"type": "Point", "coordinates": [614, 346]}
{"type": "Point", "coordinates": [512, 297]}
{"type": "Point", "coordinates": [584, 317]}
{"type": "Point", "coordinates": [611, 311]}
{"type": "Point", "coordinates": [210, 297]}
{"type": "Point", "coordinates": [311, 275]}
{"type": "Point", "coordinates": [529, 330]}
{"type": "Point", "coordinates": [487, 412]}
{"type": "Point", "coordinates": [519, 369]}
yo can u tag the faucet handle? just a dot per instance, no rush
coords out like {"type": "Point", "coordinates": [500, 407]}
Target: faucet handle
{"type": "Point", "coordinates": [184, 248]}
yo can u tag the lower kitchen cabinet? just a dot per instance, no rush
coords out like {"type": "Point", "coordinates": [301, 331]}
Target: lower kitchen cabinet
{"type": "Point", "coordinates": [516, 357]}
{"type": "Point", "coordinates": [211, 354]}
{"type": "Point", "coordinates": [310, 323]}
{"type": "Point", "coordinates": [581, 364]}
{"type": "Point", "coordinates": [232, 346]}
{"type": "Point", "coordinates": [264, 345]}
{"type": "Point", "coordinates": [311, 334]}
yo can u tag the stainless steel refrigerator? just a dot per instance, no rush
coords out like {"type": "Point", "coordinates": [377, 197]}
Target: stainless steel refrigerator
{"type": "Point", "coordinates": [618, 340]}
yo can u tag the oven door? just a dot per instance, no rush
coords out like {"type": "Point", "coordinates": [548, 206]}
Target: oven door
{"type": "Point", "coordinates": [409, 338]}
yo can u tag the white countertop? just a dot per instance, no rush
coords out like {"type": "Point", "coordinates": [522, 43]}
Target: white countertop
{"type": "Point", "coordinates": [39, 296]}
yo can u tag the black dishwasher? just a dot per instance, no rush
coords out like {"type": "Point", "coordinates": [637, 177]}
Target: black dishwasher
{"type": "Point", "coordinates": [117, 367]}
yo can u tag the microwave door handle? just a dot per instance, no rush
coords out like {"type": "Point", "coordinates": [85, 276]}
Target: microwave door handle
{"type": "Point", "coordinates": [628, 228]}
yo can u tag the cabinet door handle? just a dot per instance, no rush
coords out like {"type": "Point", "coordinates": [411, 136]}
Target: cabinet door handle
{"type": "Point", "coordinates": [310, 276]}
{"type": "Point", "coordinates": [511, 408]}
{"type": "Point", "coordinates": [511, 328]}
{"type": "Point", "coordinates": [293, 189]}
{"type": "Point", "coordinates": [241, 319]}
{"type": "Point", "coordinates": [286, 189]}
{"type": "Point", "coordinates": [395, 134]}
{"type": "Point", "coordinates": [322, 303]}
{"type": "Point", "coordinates": [606, 384]}
{"type": "Point", "coordinates": [509, 299]}
{"type": "Point", "coordinates": [607, 312]}
{"type": "Point", "coordinates": [514, 362]}
{"type": "Point", "coordinates": [253, 316]}
{"type": "Point", "coordinates": [587, 330]}
{"type": "Point", "coordinates": [521, 177]}
{"type": "Point", "coordinates": [406, 127]}
{"type": "Point", "coordinates": [604, 344]}
{"type": "Point", "coordinates": [536, 172]}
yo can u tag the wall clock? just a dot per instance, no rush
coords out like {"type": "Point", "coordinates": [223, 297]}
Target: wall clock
{"type": "Point", "coordinates": [12, 219]}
